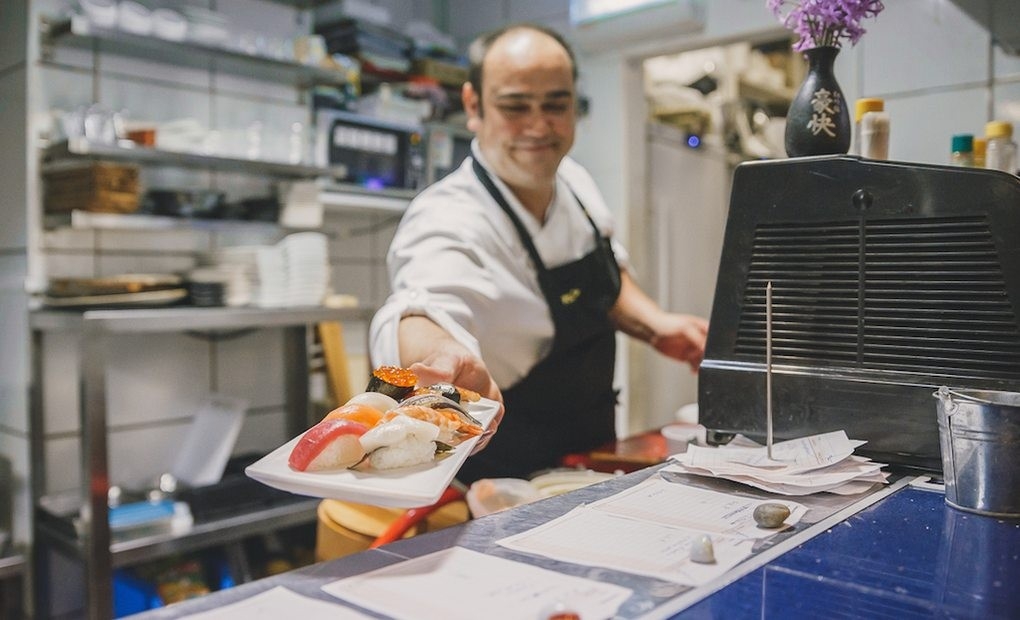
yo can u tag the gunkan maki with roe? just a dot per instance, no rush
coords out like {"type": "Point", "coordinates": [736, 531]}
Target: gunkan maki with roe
{"type": "Point", "coordinates": [393, 381]}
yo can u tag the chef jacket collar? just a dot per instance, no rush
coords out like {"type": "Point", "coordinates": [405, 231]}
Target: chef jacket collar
{"type": "Point", "coordinates": [527, 217]}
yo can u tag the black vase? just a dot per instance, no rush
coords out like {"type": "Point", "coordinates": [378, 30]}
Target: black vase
{"type": "Point", "coordinates": [818, 122]}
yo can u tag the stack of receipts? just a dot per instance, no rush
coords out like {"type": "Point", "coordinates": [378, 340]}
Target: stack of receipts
{"type": "Point", "coordinates": [801, 466]}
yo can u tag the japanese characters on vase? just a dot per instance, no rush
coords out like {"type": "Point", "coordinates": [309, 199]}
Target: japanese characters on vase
{"type": "Point", "coordinates": [818, 122]}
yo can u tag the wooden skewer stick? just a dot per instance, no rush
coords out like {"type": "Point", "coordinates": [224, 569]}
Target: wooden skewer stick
{"type": "Point", "coordinates": [768, 369]}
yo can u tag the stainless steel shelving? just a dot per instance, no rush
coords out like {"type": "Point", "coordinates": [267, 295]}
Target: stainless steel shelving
{"type": "Point", "coordinates": [351, 199]}
{"type": "Point", "coordinates": [144, 548]}
{"type": "Point", "coordinates": [88, 220]}
{"type": "Point", "coordinates": [11, 566]}
{"type": "Point", "coordinates": [12, 571]}
{"type": "Point", "coordinates": [57, 155]}
{"type": "Point", "coordinates": [95, 545]}
{"type": "Point", "coordinates": [78, 32]}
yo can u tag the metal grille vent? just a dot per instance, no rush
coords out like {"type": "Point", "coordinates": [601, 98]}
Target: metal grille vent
{"type": "Point", "coordinates": [923, 296]}
{"type": "Point", "coordinates": [935, 300]}
{"type": "Point", "coordinates": [815, 282]}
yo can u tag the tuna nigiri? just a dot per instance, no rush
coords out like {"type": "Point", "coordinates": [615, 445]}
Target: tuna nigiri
{"type": "Point", "coordinates": [330, 444]}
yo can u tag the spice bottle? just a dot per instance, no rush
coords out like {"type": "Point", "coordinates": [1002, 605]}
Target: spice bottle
{"type": "Point", "coordinates": [875, 135]}
{"type": "Point", "coordinates": [980, 146]}
{"type": "Point", "coordinates": [863, 107]}
{"type": "Point", "coordinates": [1000, 154]}
{"type": "Point", "coordinates": [963, 150]}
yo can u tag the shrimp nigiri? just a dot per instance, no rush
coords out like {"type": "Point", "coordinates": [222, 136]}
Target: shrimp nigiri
{"type": "Point", "coordinates": [453, 428]}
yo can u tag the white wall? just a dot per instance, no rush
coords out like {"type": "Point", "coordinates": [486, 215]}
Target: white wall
{"type": "Point", "coordinates": [155, 383]}
{"type": "Point", "coordinates": [936, 68]}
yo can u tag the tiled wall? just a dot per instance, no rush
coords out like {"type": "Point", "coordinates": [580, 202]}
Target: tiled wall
{"type": "Point", "coordinates": [155, 383]}
{"type": "Point", "coordinates": [939, 74]}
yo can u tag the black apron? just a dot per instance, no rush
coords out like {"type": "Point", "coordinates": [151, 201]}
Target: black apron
{"type": "Point", "coordinates": [566, 403]}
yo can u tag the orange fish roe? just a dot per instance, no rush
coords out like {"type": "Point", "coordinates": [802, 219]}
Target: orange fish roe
{"type": "Point", "coordinates": [393, 381]}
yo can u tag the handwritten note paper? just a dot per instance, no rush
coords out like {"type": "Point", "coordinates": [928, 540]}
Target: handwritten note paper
{"type": "Point", "coordinates": [460, 584]}
{"type": "Point", "coordinates": [800, 466]}
{"type": "Point", "coordinates": [793, 456]}
{"type": "Point", "coordinates": [649, 529]}
{"type": "Point", "coordinates": [277, 603]}
{"type": "Point", "coordinates": [598, 538]}
{"type": "Point", "coordinates": [679, 505]}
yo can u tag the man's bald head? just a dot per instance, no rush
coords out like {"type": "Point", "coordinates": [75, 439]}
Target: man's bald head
{"type": "Point", "coordinates": [479, 49]}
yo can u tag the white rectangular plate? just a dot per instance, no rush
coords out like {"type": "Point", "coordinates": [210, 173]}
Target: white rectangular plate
{"type": "Point", "coordinates": [405, 487]}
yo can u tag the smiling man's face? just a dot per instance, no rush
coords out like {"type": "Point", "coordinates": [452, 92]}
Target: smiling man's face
{"type": "Point", "coordinates": [526, 123]}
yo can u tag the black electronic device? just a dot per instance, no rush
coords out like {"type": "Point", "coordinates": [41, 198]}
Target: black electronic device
{"type": "Point", "coordinates": [889, 280]}
{"type": "Point", "coordinates": [376, 153]}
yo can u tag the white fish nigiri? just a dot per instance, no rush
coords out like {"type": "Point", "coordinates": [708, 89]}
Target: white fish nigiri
{"type": "Point", "coordinates": [375, 400]}
{"type": "Point", "coordinates": [400, 442]}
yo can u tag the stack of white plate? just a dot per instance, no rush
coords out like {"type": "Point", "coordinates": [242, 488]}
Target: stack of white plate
{"type": "Point", "coordinates": [294, 272]}
{"type": "Point", "coordinates": [306, 256]}
{"type": "Point", "coordinates": [235, 278]}
{"type": "Point", "coordinates": [271, 288]}
{"type": "Point", "coordinates": [240, 263]}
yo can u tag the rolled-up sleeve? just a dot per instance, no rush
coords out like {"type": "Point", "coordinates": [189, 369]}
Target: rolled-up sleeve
{"type": "Point", "coordinates": [437, 275]}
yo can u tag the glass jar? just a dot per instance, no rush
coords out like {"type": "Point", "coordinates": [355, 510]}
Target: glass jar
{"type": "Point", "coordinates": [980, 147]}
{"type": "Point", "coordinates": [862, 107]}
{"type": "Point", "coordinates": [1000, 152]}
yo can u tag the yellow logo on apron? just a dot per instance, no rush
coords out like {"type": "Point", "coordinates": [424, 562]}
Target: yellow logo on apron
{"type": "Point", "coordinates": [570, 296]}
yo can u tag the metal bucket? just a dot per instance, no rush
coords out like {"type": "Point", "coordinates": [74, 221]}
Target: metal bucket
{"type": "Point", "coordinates": [979, 433]}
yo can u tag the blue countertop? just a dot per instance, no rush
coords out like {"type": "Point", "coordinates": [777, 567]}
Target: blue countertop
{"type": "Point", "coordinates": [898, 553]}
{"type": "Point", "coordinates": [908, 556]}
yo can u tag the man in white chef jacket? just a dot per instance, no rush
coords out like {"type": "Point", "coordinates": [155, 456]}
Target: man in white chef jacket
{"type": "Point", "coordinates": [505, 275]}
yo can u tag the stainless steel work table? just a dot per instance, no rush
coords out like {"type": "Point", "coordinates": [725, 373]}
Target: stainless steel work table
{"type": "Point", "coordinates": [652, 598]}
{"type": "Point", "coordinates": [95, 546]}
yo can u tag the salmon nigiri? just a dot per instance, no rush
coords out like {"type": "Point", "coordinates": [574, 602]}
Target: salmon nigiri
{"type": "Point", "coordinates": [355, 412]}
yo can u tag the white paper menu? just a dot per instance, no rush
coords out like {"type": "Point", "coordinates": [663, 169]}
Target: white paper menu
{"type": "Point", "coordinates": [649, 529]}
{"type": "Point", "coordinates": [279, 602]}
{"type": "Point", "coordinates": [460, 584]}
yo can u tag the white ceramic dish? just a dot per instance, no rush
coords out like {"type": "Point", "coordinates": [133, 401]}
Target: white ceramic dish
{"type": "Point", "coordinates": [102, 13]}
{"type": "Point", "coordinates": [406, 487]}
{"type": "Point", "coordinates": [134, 17]}
{"type": "Point", "coordinates": [145, 298]}
{"type": "Point", "coordinates": [169, 24]}
{"type": "Point", "coordinates": [560, 481]}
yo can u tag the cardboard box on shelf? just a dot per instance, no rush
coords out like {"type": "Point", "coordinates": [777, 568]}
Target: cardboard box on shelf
{"type": "Point", "coordinates": [98, 187]}
{"type": "Point", "coordinates": [447, 74]}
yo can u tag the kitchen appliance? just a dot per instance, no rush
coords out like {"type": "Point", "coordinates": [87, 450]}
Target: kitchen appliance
{"type": "Point", "coordinates": [448, 146]}
{"type": "Point", "coordinates": [377, 154]}
{"type": "Point", "coordinates": [889, 280]}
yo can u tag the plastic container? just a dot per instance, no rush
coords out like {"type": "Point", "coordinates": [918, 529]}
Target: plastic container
{"type": "Point", "coordinates": [980, 147]}
{"type": "Point", "coordinates": [863, 107]}
{"type": "Point", "coordinates": [678, 436]}
{"type": "Point", "coordinates": [1001, 150]}
{"type": "Point", "coordinates": [874, 135]}
{"type": "Point", "coordinates": [491, 495]}
{"type": "Point", "coordinates": [962, 150]}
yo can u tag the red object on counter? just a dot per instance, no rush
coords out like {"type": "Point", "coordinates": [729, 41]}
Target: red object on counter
{"type": "Point", "coordinates": [626, 455]}
{"type": "Point", "coordinates": [412, 516]}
